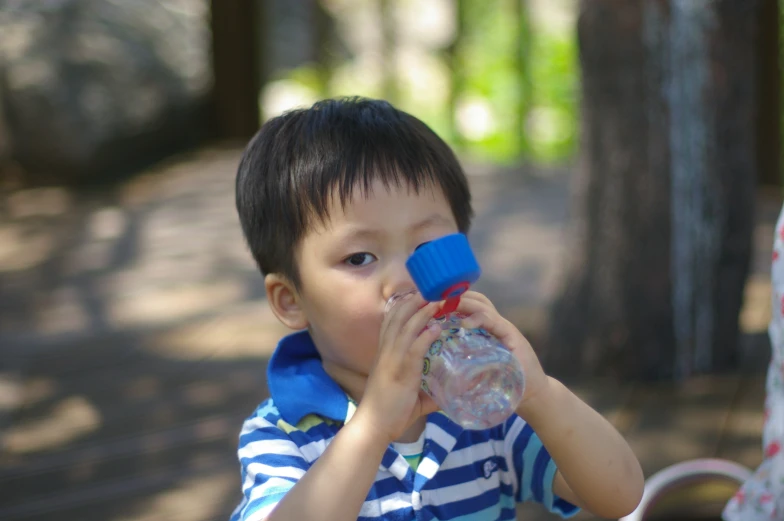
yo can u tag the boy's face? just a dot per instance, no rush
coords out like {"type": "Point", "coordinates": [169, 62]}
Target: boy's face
{"type": "Point", "coordinates": [350, 266]}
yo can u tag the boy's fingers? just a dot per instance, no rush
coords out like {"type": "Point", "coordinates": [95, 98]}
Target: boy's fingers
{"type": "Point", "coordinates": [494, 323]}
{"type": "Point", "coordinates": [475, 295]}
{"type": "Point", "coordinates": [422, 343]}
{"type": "Point", "coordinates": [475, 320]}
{"type": "Point", "coordinates": [470, 306]}
{"type": "Point", "coordinates": [480, 319]}
{"type": "Point", "coordinates": [400, 313]}
{"type": "Point", "coordinates": [418, 322]}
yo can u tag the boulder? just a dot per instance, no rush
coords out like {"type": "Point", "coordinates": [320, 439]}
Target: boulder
{"type": "Point", "coordinates": [92, 88]}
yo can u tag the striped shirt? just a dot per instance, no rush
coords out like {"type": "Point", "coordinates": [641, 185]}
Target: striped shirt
{"type": "Point", "coordinates": [464, 475]}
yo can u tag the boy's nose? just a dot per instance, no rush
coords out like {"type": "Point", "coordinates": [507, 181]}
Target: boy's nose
{"type": "Point", "coordinates": [397, 281]}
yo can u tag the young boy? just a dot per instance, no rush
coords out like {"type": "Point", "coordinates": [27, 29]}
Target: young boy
{"type": "Point", "coordinates": [332, 201]}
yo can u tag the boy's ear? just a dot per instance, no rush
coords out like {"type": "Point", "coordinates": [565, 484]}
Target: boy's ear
{"type": "Point", "coordinates": [285, 301]}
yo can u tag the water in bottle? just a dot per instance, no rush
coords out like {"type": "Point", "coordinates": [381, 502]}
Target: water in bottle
{"type": "Point", "coordinates": [473, 378]}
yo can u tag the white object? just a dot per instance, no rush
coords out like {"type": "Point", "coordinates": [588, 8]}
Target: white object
{"type": "Point", "coordinates": [681, 475]}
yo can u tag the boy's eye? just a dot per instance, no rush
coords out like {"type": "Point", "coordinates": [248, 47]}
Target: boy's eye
{"type": "Point", "coordinates": [360, 259]}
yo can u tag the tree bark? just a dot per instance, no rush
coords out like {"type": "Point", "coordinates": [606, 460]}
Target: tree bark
{"type": "Point", "coordinates": [664, 191]}
{"type": "Point", "coordinates": [768, 95]}
{"type": "Point", "coordinates": [236, 55]}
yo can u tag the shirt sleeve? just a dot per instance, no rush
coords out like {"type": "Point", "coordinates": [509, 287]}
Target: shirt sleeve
{"type": "Point", "coordinates": [271, 465]}
{"type": "Point", "coordinates": [533, 467]}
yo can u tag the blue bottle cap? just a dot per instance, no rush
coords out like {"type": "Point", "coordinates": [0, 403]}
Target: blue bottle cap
{"type": "Point", "coordinates": [444, 267]}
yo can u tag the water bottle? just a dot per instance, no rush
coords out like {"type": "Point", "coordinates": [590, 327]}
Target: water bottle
{"type": "Point", "coordinates": [475, 380]}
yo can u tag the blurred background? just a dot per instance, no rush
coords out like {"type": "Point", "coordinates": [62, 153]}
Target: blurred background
{"type": "Point", "coordinates": [625, 159]}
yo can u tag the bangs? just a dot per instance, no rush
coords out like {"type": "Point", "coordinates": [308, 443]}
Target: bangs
{"type": "Point", "coordinates": [397, 149]}
{"type": "Point", "coordinates": [299, 162]}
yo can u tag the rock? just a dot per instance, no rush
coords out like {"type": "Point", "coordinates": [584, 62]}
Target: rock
{"type": "Point", "coordinates": [91, 88]}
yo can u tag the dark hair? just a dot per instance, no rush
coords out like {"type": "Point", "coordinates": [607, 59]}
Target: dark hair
{"type": "Point", "coordinates": [295, 163]}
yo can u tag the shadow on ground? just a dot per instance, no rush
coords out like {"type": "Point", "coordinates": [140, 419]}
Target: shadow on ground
{"type": "Point", "coordinates": [135, 335]}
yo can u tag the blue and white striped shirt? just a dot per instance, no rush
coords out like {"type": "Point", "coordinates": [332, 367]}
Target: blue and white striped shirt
{"type": "Point", "coordinates": [464, 475]}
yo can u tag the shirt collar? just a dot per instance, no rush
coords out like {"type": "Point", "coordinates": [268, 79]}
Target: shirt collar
{"type": "Point", "coordinates": [298, 384]}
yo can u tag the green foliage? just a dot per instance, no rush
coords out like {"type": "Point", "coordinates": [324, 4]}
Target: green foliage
{"type": "Point", "coordinates": [487, 55]}
{"type": "Point", "coordinates": [554, 70]}
{"type": "Point", "coordinates": [515, 86]}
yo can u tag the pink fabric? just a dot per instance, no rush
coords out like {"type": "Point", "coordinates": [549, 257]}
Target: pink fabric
{"type": "Point", "coordinates": [762, 496]}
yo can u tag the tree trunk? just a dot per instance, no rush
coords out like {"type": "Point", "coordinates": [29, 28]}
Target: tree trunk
{"type": "Point", "coordinates": [236, 55]}
{"type": "Point", "coordinates": [768, 95]}
{"type": "Point", "coordinates": [664, 192]}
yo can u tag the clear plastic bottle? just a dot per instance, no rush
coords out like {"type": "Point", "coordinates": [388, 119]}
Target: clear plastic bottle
{"type": "Point", "coordinates": [472, 377]}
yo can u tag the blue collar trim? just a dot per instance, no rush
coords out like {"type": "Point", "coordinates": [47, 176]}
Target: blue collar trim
{"type": "Point", "coordinates": [298, 384]}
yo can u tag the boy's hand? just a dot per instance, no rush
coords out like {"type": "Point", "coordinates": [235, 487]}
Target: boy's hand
{"type": "Point", "coordinates": [481, 313]}
{"type": "Point", "coordinates": [596, 469]}
{"type": "Point", "coordinates": [393, 398]}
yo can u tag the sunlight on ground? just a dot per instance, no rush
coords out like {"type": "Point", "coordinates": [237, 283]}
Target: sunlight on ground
{"type": "Point", "coordinates": [24, 242]}
{"type": "Point", "coordinates": [206, 172]}
{"type": "Point", "coordinates": [107, 223]}
{"type": "Point", "coordinates": [70, 419]}
{"type": "Point", "coordinates": [756, 312]}
{"type": "Point", "coordinates": [36, 202]}
{"type": "Point", "coordinates": [163, 305]}
{"type": "Point", "coordinates": [192, 500]}
{"type": "Point", "coordinates": [249, 330]}
{"type": "Point", "coordinates": [10, 392]}
{"type": "Point", "coordinates": [38, 389]}
{"type": "Point", "coordinates": [22, 246]}
{"type": "Point", "coordinates": [747, 423]}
